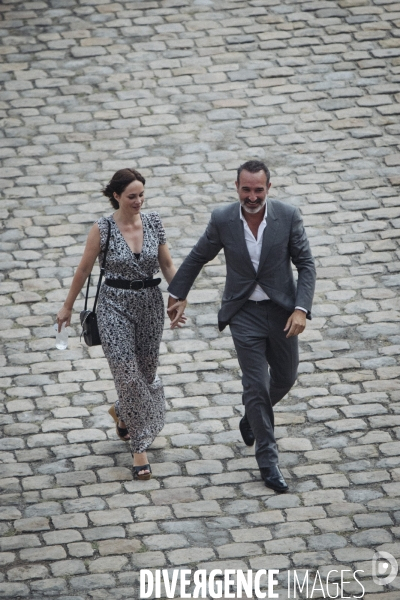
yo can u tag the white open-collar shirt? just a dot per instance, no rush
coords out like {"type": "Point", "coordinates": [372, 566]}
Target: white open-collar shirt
{"type": "Point", "coordinates": [254, 248]}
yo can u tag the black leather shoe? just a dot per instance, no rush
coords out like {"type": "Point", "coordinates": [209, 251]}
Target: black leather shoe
{"type": "Point", "coordinates": [245, 430]}
{"type": "Point", "coordinates": [274, 479]}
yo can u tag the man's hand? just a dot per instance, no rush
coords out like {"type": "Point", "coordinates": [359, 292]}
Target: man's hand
{"type": "Point", "coordinates": [296, 323]}
{"type": "Point", "coordinates": [175, 311]}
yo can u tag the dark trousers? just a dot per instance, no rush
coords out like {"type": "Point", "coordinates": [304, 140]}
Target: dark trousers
{"type": "Point", "coordinates": [269, 362]}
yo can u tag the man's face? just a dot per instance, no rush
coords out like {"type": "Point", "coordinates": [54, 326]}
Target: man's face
{"type": "Point", "coordinates": [252, 189]}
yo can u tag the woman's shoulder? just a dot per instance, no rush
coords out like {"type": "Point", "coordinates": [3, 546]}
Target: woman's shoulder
{"type": "Point", "coordinates": [153, 220]}
{"type": "Point", "coordinates": [104, 225]}
{"type": "Point", "coordinates": [153, 217]}
{"type": "Point", "coordinates": [153, 214]}
{"type": "Point", "coordinates": [103, 221]}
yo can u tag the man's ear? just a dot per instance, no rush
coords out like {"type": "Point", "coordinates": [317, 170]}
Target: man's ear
{"type": "Point", "coordinates": [237, 185]}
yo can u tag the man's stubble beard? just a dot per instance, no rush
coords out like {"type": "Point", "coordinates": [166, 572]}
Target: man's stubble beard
{"type": "Point", "coordinates": [256, 209]}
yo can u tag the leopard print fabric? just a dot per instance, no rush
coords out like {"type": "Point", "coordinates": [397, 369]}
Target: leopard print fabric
{"type": "Point", "coordinates": [130, 326]}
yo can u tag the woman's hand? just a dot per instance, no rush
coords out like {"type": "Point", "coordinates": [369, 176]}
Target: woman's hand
{"type": "Point", "coordinates": [175, 311]}
{"type": "Point", "coordinates": [64, 316]}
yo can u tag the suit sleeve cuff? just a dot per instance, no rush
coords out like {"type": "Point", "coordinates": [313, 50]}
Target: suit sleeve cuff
{"type": "Point", "coordinates": [172, 296]}
{"type": "Point", "coordinates": [297, 308]}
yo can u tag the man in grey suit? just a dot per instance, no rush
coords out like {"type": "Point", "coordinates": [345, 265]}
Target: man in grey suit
{"type": "Point", "coordinates": [261, 302]}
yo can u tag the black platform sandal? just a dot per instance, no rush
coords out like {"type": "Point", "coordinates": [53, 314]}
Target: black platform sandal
{"type": "Point", "coordinates": [136, 470]}
{"type": "Point", "coordinates": [122, 432]}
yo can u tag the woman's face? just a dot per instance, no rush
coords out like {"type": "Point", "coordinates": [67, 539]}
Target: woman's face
{"type": "Point", "coordinates": [132, 197]}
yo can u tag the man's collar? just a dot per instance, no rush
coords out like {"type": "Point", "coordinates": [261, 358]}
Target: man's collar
{"type": "Point", "coordinates": [244, 220]}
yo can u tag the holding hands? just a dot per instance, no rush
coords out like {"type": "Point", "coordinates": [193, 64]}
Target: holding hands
{"type": "Point", "coordinates": [175, 310]}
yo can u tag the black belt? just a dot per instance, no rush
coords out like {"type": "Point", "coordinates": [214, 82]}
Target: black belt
{"type": "Point", "coordinates": [139, 284]}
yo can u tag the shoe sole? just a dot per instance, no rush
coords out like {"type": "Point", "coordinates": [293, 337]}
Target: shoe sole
{"type": "Point", "coordinates": [113, 414]}
{"type": "Point", "coordinates": [144, 477]}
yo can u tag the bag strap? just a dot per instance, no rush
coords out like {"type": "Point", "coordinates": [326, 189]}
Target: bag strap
{"type": "Point", "coordinates": [101, 272]}
{"type": "Point", "coordinates": [87, 291]}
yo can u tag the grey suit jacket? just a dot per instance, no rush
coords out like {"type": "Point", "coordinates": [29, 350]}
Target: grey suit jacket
{"type": "Point", "coordinates": [284, 241]}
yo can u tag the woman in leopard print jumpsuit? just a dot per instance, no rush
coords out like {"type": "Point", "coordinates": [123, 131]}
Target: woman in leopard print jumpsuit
{"type": "Point", "coordinates": [130, 321]}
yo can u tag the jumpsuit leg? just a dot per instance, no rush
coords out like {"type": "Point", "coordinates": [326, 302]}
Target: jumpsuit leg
{"type": "Point", "coordinates": [131, 326]}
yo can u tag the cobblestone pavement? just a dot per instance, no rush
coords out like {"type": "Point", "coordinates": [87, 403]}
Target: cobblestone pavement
{"type": "Point", "coordinates": [185, 91]}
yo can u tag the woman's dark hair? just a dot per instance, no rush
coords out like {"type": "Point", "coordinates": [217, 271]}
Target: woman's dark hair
{"type": "Point", "coordinates": [119, 181]}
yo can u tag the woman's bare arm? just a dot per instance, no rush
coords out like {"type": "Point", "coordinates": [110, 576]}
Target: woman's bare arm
{"type": "Point", "coordinates": [91, 252]}
{"type": "Point", "coordinates": [168, 270]}
{"type": "Point", "coordinates": [166, 264]}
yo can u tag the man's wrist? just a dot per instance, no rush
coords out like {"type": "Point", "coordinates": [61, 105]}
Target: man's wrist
{"type": "Point", "coordinates": [301, 308]}
{"type": "Point", "coordinates": [176, 298]}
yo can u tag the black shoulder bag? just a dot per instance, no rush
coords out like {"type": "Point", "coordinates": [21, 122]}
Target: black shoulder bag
{"type": "Point", "coordinates": [90, 330]}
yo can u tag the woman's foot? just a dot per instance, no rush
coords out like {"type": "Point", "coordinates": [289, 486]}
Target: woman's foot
{"type": "Point", "coordinates": [121, 429]}
{"type": "Point", "coordinates": [140, 460]}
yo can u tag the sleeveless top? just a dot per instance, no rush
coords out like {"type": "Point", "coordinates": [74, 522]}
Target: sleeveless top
{"type": "Point", "coordinates": [121, 262]}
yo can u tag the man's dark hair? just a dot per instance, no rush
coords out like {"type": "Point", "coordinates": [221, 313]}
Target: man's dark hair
{"type": "Point", "coordinates": [253, 166]}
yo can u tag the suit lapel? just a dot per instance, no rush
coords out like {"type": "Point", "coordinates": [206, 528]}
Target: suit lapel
{"type": "Point", "coordinates": [236, 226]}
{"type": "Point", "coordinates": [269, 234]}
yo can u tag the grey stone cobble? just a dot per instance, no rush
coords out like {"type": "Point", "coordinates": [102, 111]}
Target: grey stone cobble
{"type": "Point", "coordinates": [185, 92]}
